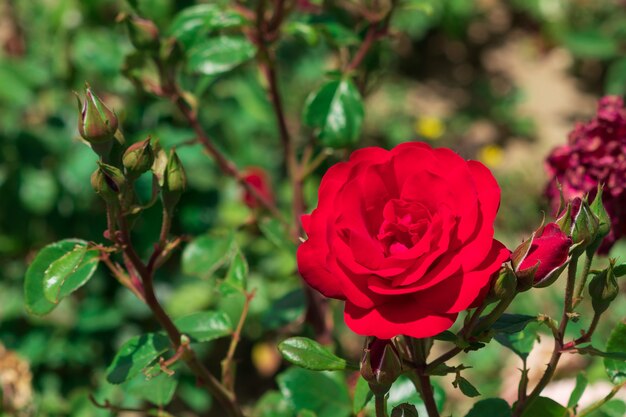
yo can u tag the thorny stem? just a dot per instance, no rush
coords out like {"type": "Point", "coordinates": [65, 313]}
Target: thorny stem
{"type": "Point", "coordinates": [228, 371]}
{"type": "Point", "coordinates": [166, 224]}
{"type": "Point", "coordinates": [113, 408]}
{"type": "Point", "coordinates": [558, 342]}
{"type": "Point", "coordinates": [421, 380]}
{"type": "Point", "coordinates": [215, 388]}
{"type": "Point", "coordinates": [121, 277]}
{"type": "Point", "coordinates": [586, 336]}
{"type": "Point", "coordinates": [593, 407]}
{"type": "Point", "coordinates": [465, 333]}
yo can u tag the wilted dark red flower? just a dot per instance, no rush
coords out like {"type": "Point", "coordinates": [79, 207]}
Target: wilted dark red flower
{"type": "Point", "coordinates": [595, 154]}
{"type": "Point", "coordinates": [258, 179]}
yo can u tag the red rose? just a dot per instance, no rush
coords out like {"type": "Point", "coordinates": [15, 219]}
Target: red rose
{"type": "Point", "coordinates": [405, 237]}
{"type": "Point", "coordinates": [257, 178]}
{"type": "Point", "coordinates": [544, 256]}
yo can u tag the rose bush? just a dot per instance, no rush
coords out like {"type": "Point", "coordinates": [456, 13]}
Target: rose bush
{"type": "Point", "coordinates": [405, 237]}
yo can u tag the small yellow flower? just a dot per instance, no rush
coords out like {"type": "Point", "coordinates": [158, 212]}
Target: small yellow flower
{"type": "Point", "coordinates": [430, 127]}
{"type": "Point", "coordinates": [491, 155]}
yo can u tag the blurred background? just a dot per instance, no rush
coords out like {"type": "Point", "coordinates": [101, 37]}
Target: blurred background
{"type": "Point", "coordinates": [498, 81]}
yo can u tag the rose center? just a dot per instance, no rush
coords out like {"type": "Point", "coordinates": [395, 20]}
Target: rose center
{"type": "Point", "coordinates": [404, 224]}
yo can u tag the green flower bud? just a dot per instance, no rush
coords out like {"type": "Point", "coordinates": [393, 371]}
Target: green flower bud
{"type": "Point", "coordinates": [108, 181]}
{"type": "Point", "coordinates": [585, 227]}
{"type": "Point", "coordinates": [604, 221]}
{"type": "Point", "coordinates": [143, 33]}
{"type": "Point", "coordinates": [603, 289]}
{"type": "Point", "coordinates": [504, 287]}
{"type": "Point", "coordinates": [97, 123]}
{"type": "Point", "coordinates": [381, 365]}
{"type": "Point", "coordinates": [174, 181]}
{"type": "Point", "coordinates": [138, 158]}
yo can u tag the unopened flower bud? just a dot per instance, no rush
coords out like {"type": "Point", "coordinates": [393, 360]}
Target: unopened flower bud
{"type": "Point", "coordinates": [604, 221]}
{"type": "Point", "coordinates": [108, 181]}
{"type": "Point", "coordinates": [504, 286]}
{"type": "Point", "coordinates": [174, 181]}
{"type": "Point", "coordinates": [603, 289]}
{"type": "Point", "coordinates": [381, 365]}
{"type": "Point", "coordinates": [97, 123]}
{"type": "Point", "coordinates": [138, 158]}
{"type": "Point", "coordinates": [539, 261]}
{"type": "Point", "coordinates": [143, 33]}
{"type": "Point", "coordinates": [257, 178]}
{"type": "Point", "coordinates": [585, 227]}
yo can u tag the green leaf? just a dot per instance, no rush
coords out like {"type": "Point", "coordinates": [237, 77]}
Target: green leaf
{"type": "Point", "coordinates": [521, 342]}
{"type": "Point", "coordinates": [273, 404]}
{"type": "Point", "coordinates": [35, 298]}
{"type": "Point", "coordinates": [512, 323]}
{"type": "Point", "coordinates": [220, 54]}
{"type": "Point", "coordinates": [275, 232]}
{"type": "Point", "coordinates": [466, 387]}
{"type": "Point", "coordinates": [195, 22]}
{"type": "Point", "coordinates": [158, 390]}
{"type": "Point", "coordinates": [404, 410]}
{"type": "Point", "coordinates": [205, 326]}
{"type": "Point", "coordinates": [446, 336]}
{"type": "Point", "coordinates": [613, 408]}
{"type": "Point", "coordinates": [362, 395]}
{"type": "Point", "coordinates": [492, 407]}
{"type": "Point", "coordinates": [616, 369]}
{"type": "Point", "coordinates": [135, 355]}
{"type": "Point", "coordinates": [591, 44]}
{"type": "Point", "coordinates": [590, 350]}
{"type": "Point", "coordinates": [324, 393]}
{"type": "Point", "coordinates": [579, 389]}
{"type": "Point", "coordinates": [236, 276]}
{"type": "Point", "coordinates": [70, 272]}
{"type": "Point", "coordinates": [619, 270]}
{"type": "Point", "coordinates": [336, 113]}
{"type": "Point", "coordinates": [338, 34]}
{"type": "Point", "coordinates": [204, 255]}
{"type": "Point", "coordinates": [309, 354]}
{"type": "Point", "coordinates": [306, 413]}
{"type": "Point", "coordinates": [285, 310]}
{"type": "Point", "coordinates": [545, 407]}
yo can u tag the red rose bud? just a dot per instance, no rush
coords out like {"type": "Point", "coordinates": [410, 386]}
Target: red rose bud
{"type": "Point", "coordinates": [381, 365]}
{"type": "Point", "coordinates": [539, 261]}
{"type": "Point", "coordinates": [258, 179]}
{"type": "Point", "coordinates": [603, 289]}
{"type": "Point", "coordinates": [174, 181]}
{"type": "Point", "coordinates": [138, 158]}
{"type": "Point", "coordinates": [595, 154]}
{"type": "Point", "coordinates": [143, 33]}
{"type": "Point", "coordinates": [97, 123]}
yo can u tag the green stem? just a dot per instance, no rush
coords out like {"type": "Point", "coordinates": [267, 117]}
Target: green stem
{"type": "Point", "coordinates": [581, 285]}
{"type": "Point", "coordinates": [558, 341]}
{"type": "Point", "coordinates": [428, 396]}
{"type": "Point", "coordinates": [593, 407]}
{"type": "Point", "coordinates": [381, 406]}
